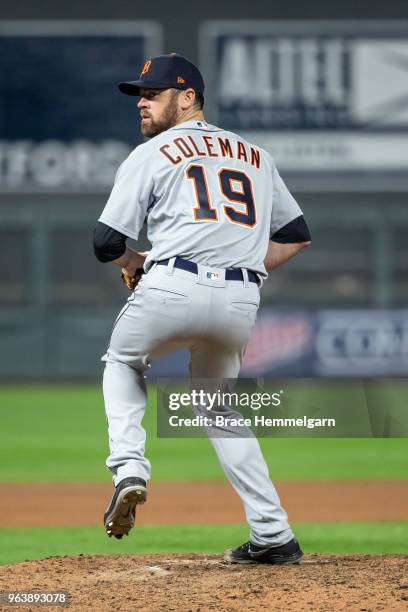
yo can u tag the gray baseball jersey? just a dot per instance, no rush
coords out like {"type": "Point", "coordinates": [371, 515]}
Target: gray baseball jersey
{"type": "Point", "coordinates": [208, 196]}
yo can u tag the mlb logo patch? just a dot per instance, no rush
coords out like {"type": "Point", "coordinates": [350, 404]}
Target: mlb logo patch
{"type": "Point", "coordinates": [213, 275]}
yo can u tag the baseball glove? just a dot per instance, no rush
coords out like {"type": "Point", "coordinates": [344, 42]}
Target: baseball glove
{"type": "Point", "coordinates": [132, 281]}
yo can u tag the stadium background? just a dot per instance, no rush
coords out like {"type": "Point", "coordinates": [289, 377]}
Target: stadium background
{"type": "Point", "coordinates": [57, 303]}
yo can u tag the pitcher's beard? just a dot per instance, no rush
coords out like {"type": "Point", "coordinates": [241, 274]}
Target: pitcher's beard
{"type": "Point", "coordinates": [166, 121]}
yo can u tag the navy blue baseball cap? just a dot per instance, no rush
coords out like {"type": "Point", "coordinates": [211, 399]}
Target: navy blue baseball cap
{"type": "Point", "coordinates": [163, 72]}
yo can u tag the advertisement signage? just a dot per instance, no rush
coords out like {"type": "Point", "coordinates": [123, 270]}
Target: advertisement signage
{"type": "Point", "coordinates": [320, 96]}
{"type": "Point", "coordinates": [324, 343]}
{"type": "Point", "coordinates": [63, 124]}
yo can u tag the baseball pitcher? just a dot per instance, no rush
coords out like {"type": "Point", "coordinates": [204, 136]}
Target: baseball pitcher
{"type": "Point", "coordinates": [219, 217]}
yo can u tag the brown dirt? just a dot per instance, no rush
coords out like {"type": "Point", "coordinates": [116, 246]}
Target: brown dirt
{"type": "Point", "coordinates": [53, 505]}
{"type": "Point", "coordinates": [205, 582]}
{"type": "Point", "coordinates": [200, 583]}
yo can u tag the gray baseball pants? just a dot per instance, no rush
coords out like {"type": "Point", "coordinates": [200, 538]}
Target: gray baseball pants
{"type": "Point", "coordinates": [172, 309]}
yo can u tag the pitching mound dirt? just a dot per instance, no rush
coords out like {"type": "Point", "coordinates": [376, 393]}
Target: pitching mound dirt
{"type": "Point", "coordinates": [205, 582]}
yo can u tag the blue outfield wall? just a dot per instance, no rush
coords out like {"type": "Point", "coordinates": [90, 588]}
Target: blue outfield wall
{"type": "Point", "coordinates": [322, 343]}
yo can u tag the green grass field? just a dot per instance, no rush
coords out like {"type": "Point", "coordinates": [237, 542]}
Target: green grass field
{"type": "Point", "coordinates": [342, 538]}
{"type": "Point", "coordinates": [58, 433]}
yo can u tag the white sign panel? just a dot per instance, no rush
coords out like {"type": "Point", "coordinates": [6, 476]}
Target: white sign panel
{"type": "Point", "coordinates": [319, 95]}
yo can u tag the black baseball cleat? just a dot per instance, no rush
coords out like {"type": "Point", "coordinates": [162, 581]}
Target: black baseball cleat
{"type": "Point", "coordinates": [274, 555]}
{"type": "Point", "coordinates": [119, 518]}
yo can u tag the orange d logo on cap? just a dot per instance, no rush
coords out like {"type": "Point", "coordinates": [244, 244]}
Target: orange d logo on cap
{"type": "Point", "coordinates": [146, 67]}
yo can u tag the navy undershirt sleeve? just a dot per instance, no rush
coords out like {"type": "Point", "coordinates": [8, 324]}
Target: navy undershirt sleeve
{"type": "Point", "coordinates": [109, 244]}
{"type": "Point", "coordinates": [295, 231]}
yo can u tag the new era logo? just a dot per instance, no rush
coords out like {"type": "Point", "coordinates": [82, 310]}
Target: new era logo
{"type": "Point", "coordinates": [180, 79]}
